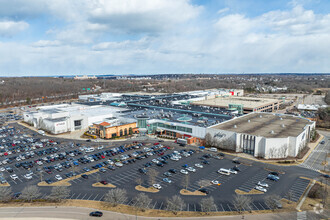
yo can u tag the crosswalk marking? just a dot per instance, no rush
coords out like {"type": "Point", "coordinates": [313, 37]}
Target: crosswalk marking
{"type": "Point", "coordinates": [301, 215]}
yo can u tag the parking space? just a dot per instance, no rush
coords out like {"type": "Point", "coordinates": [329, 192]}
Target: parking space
{"type": "Point", "coordinates": [297, 189]}
{"type": "Point", "coordinates": [261, 177]}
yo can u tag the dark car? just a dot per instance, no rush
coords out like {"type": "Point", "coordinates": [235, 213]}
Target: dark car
{"type": "Point", "coordinates": [96, 214]}
{"type": "Point", "coordinates": [236, 169]}
{"type": "Point", "coordinates": [236, 161]}
{"type": "Point", "coordinates": [143, 170]}
{"type": "Point", "coordinates": [274, 173]}
{"type": "Point", "coordinates": [104, 182]}
{"type": "Point", "coordinates": [205, 162]}
{"type": "Point", "coordinates": [16, 195]}
{"type": "Point", "coordinates": [204, 191]}
{"type": "Point", "coordinates": [172, 170]}
{"type": "Point", "coordinates": [85, 176]}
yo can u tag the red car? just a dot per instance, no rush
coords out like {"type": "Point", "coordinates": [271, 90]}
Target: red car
{"type": "Point", "coordinates": [102, 156]}
{"type": "Point", "coordinates": [104, 182]}
{"type": "Point", "coordinates": [156, 143]}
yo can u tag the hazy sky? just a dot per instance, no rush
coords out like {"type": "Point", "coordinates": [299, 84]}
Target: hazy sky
{"type": "Point", "coordinates": [68, 37]}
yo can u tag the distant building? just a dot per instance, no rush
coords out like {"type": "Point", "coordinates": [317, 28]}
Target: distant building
{"type": "Point", "coordinates": [244, 104]}
{"type": "Point", "coordinates": [85, 77]}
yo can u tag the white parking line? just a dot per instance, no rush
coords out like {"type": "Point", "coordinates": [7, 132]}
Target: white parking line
{"type": "Point", "coordinates": [221, 207]}
{"type": "Point", "coordinates": [84, 196]}
{"type": "Point", "coordinates": [229, 207]}
{"type": "Point", "coordinates": [261, 205]}
{"type": "Point", "coordinates": [78, 196]}
{"type": "Point", "coordinates": [96, 196]}
{"type": "Point", "coordinates": [72, 195]}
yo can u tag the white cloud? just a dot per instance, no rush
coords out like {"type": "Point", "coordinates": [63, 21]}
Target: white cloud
{"type": "Point", "coordinates": [162, 38]}
{"type": "Point", "coordinates": [10, 28]}
{"type": "Point", "coordinates": [142, 16]}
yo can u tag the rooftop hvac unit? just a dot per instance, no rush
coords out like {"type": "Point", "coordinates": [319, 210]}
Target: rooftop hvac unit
{"type": "Point", "coordinates": [235, 126]}
{"type": "Point", "coordinates": [281, 119]}
{"type": "Point", "coordinates": [249, 121]}
{"type": "Point", "coordinates": [260, 116]}
{"type": "Point", "coordinates": [272, 132]}
{"type": "Point", "coordinates": [282, 125]}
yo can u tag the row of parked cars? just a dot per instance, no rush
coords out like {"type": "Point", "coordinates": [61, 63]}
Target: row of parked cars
{"type": "Point", "coordinates": [262, 186]}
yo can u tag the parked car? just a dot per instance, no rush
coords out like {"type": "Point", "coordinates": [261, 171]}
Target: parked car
{"type": "Point", "coordinates": [96, 213]}
{"type": "Point", "coordinates": [273, 177]}
{"type": "Point", "coordinates": [85, 176]}
{"type": "Point", "coordinates": [262, 184]}
{"type": "Point", "coordinates": [203, 190]}
{"type": "Point", "coordinates": [215, 182]}
{"type": "Point", "coordinates": [184, 171]}
{"type": "Point", "coordinates": [104, 182]}
{"type": "Point", "coordinates": [157, 186]}
{"type": "Point", "coordinates": [198, 165]}
{"type": "Point", "coordinates": [260, 188]}
{"type": "Point", "coordinates": [167, 180]}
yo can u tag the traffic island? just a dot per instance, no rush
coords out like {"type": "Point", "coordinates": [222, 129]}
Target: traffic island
{"type": "Point", "coordinates": [251, 192]}
{"type": "Point", "coordinates": [144, 189]}
{"type": "Point", "coordinates": [108, 185]}
{"type": "Point", "coordinates": [4, 184]}
{"type": "Point", "coordinates": [58, 183]}
{"type": "Point", "coordinates": [65, 182]}
{"type": "Point", "coordinates": [186, 192]}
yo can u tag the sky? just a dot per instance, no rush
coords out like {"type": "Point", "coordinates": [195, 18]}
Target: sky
{"type": "Point", "coordinates": [94, 37]}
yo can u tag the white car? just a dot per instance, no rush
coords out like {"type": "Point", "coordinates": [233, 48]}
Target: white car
{"type": "Point", "coordinates": [155, 161]}
{"type": "Point", "coordinates": [184, 171]}
{"type": "Point", "coordinates": [260, 189]}
{"type": "Point", "coordinates": [100, 147]}
{"type": "Point", "coordinates": [14, 176]}
{"type": "Point", "coordinates": [191, 169]}
{"type": "Point", "coordinates": [262, 184]}
{"type": "Point", "coordinates": [213, 149]}
{"type": "Point", "coordinates": [232, 171]}
{"type": "Point", "coordinates": [215, 182]}
{"type": "Point", "coordinates": [111, 162]}
{"type": "Point", "coordinates": [157, 186]}
{"type": "Point", "coordinates": [2, 169]}
{"type": "Point", "coordinates": [118, 164]}
{"type": "Point", "coordinates": [174, 158]}
{"type": "Point", "coordinates": [27, 176]}
{"type": "Point", "coordinates": [40, 163]}
{"type": "Point", "coordinates": [198, 165]}
{"type": "Point", "coordinates": [58, 177]}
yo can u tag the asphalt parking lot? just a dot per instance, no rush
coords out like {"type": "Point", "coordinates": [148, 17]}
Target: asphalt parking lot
{"type": "Point", "coordinates": [126, 176]}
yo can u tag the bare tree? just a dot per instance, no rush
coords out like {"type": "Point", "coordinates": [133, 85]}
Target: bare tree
{"type": "Point", "coordinates": [115, 196]}
{"type": "Point", "coordinates": [139, 181]}
{"type": "Point", "coordinates": [152, 176]}
{"type": "Point", "coordinates": [207, 204]}
{"type": "Point", "coordinates": [5, 193]}
{"type": "Point", "coordinates": [59, 192]}
{"type": "Point", "coordinates": [208, 140]}
{"type": "Point", "coordinates": [203, 183]}
{"type": "Point", "coordinates": [185, 181]}
{"type": "Point", "coordinates": [242, 202]}
{"type": "Point", "coordinates": [175, 204]}
{"type": "Point", "coordinates": [29, 193]}
{"type": "Point", "coordinates": [272, 201]}
{"type": "Point", "coordinates": [142, 201]}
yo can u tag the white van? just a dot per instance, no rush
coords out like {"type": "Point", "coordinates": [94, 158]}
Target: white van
{"type": "Point", "coordinates": [224, 171]}
{"type": "Point", "coordinates": [213, 149]}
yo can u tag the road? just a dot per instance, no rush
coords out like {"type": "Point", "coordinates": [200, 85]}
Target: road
{"type": "Point", "coordinates": [318, 159]}
{"type": "Point", "coordinates": [83, 213]}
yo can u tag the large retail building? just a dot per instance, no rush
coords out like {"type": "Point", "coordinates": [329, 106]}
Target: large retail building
{"type": "Point", "coordinates": [265, 135]}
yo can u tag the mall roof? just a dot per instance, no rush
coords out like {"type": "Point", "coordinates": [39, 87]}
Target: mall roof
{"type": "Point", "coordinates": [247, 102]}
{"type": "Point", "coordinates": [266, 125]}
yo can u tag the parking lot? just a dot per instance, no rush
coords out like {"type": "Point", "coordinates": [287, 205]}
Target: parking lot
{"type": "Point", "coordinates": [34, 158]}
